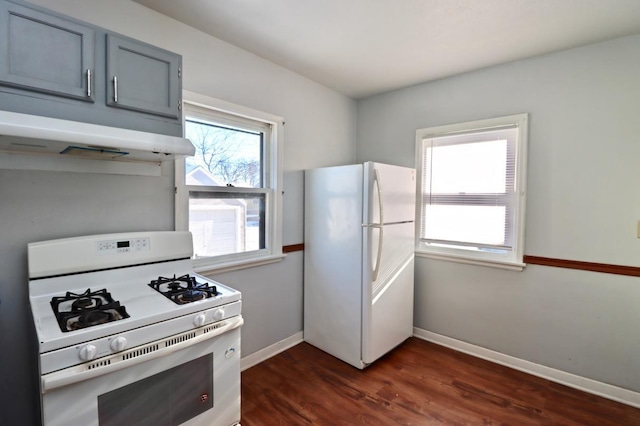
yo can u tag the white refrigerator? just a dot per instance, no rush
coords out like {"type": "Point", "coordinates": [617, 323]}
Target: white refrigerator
{"type": "Point", "coordinates": [358, 259]}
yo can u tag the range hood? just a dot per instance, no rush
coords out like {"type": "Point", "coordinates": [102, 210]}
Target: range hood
{"type": "Point", "coordinates": [32, 134]}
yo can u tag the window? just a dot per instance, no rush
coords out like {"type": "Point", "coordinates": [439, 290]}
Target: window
{"type": "Point", "coordinates": [472, 191]}
{"type": "Point", "coordinates": [228, 194]}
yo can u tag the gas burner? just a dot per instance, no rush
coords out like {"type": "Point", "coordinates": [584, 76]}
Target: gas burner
{"type": "Point", "coordinates": [84, 303]}
{"type": "Point", "coordinates": [183, 289]}
{"type": "Point", "coordinates": [188, 296]}
{"type": "Point", "coordinates": [76, 311]}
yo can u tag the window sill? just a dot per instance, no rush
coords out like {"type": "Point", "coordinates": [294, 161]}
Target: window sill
{"type": "Point", "coordinates": [511, 266]}
{"type": "Point", "coordinates": [203, 267]}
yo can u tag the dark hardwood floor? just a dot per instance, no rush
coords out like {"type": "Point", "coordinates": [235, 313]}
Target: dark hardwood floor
{"type": "Point", "coordinates": [419, 383]}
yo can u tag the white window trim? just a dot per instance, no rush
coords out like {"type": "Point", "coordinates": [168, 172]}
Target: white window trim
{"type": "Point", "coordinates": [273, 252]}
{"type": "Point", "coordinates": [512, 261]}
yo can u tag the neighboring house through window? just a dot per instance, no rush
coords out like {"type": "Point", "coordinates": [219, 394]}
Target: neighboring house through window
{"type": "Point", "coordinates": [472, 191]}
{"type": "Point", "coordinates": [228, 194]}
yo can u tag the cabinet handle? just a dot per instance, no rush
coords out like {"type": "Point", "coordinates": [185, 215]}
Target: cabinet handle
{"type": "Point", "coordinates": [115, 89]}
{"type": "Point", "coordinates": [88, 83]}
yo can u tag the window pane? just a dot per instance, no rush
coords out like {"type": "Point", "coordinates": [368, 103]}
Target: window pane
{"type": "Point", "coordinates": [469, 168]}
{"type": "Point", "coordinates": [224, 156]}
{"type": "Point", "coordinates": [226, 223]}
{"type": "Point", "coordinates": [473, 190]}
{"type": "Point", "coordinates": [473, 224]}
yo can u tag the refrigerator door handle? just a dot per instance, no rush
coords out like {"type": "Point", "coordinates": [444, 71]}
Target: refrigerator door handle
{"type": "Point", "coordinates": [376, 181]}
{"type": "Point", "coordinates": [376, 269]}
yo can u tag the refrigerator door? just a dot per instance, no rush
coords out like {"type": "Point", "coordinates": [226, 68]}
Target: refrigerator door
{"type": "Point", "coordinates": [396, 187]}
{"type": "Point", "coordinates": [388, 247]}
{"type": "Point", "coordinates": [387, 302]}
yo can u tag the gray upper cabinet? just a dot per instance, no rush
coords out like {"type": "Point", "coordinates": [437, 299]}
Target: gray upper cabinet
{"type": "Point", "coordinates": [56, 66]}
{"type": "Point", "coordinates": [45, 53]}
{"type": "Point", "coordinates": [142, 77]}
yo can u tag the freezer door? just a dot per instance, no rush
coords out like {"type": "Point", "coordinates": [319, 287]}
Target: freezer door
{"type": "Point", "coordinates": [390, 193]}
{"type": "Point", "coordinates": [387, 299]}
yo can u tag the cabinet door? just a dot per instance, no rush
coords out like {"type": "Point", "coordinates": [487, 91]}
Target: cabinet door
{"type": "Point", "coordinates": [45, 53]}
{"type": "Point", "coordinates": [142, 77]}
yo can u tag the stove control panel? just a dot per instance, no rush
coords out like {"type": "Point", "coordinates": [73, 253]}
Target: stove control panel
{"type": "Point", "coordinates": [109, 345]}
{"type": "Point", "coordinates": [122, 246]}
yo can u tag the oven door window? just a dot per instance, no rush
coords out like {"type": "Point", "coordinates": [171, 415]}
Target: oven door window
{"type": "Point", "coordinates": [168, 398]}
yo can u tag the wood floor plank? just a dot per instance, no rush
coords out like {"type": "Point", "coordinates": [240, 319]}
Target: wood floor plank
{"type": "Point", "coordinates": [419, 383]}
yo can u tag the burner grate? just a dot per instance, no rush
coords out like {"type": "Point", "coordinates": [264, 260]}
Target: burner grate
{"type": "Point", "coordinates": [183, 289]}
{"type": "Point", "coordinates": [77, 311]}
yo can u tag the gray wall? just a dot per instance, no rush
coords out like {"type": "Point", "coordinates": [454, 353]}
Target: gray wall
{"type": "Point", "coordinates": [583, 203]}
{"type": "Point", "coordinates": [36, 206]}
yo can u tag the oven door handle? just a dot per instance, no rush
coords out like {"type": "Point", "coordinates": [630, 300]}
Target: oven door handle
{"type": "Point", "coordinates": [134, 356]}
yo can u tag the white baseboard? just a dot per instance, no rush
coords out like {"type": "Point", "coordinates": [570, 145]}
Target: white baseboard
{"type": "Point", "coordinates": [266, 353]}
{"type": "Point", "coordinates": [604, 390]}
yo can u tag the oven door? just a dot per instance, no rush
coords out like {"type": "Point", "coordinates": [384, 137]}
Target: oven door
{"type": "Point", "coordinates": [188, 379]}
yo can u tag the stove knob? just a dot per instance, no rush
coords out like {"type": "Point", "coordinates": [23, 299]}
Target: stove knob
{"type": "Point", "coordinates": [218, 314]}
{"type": "Point", "coordinates": [118, 344]}
{"type": "Point", "coordinates": [199, 320]}
{"type": "Point", "coordinates": [87, 352]}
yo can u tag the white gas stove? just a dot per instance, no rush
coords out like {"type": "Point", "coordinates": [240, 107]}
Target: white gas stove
{"type": "Point", "coordinates": [129, 334]}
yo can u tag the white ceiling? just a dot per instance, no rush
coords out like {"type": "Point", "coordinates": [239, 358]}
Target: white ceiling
{"type": "Point", "coordinates": [364, 47]}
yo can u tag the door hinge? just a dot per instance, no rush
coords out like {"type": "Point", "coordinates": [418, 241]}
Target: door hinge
{"type": "Point", "coordinates": [179, 72]}
{"type": "Point", "coordinates": [180, 105]}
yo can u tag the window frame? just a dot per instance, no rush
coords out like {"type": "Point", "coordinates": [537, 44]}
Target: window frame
{"type": "Point", "coordinates": [208, 108]}
{"type": "Point", "coordinates": [513, 259]}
